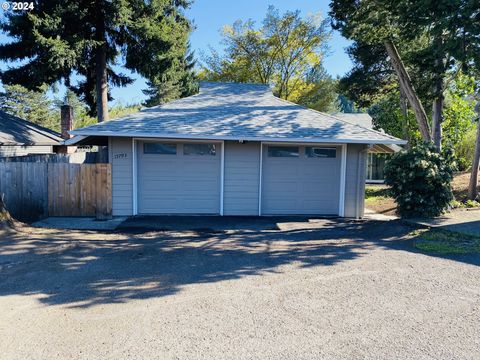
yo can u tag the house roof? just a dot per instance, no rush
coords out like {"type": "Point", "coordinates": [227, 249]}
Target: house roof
{"type": "Point", "coordinates": [365, 120]}
{"type": "Point", "coordinates": [16, 131]}
{"type": "Point", "coordinates": [233, 111]}
{"type": "Point", "coordinates": [362, 119]}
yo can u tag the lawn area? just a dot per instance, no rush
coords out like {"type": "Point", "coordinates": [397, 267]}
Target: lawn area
{"type": "Point", "coordinates": [378, 199]}
{"type": "Point", "coordinates": [445, 242]}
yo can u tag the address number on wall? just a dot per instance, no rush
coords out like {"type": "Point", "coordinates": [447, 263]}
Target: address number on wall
{"type": "Point", "coordinates": [120, 156]}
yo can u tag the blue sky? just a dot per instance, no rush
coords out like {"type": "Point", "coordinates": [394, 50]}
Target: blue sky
{"type": "Point", "coordinates": [209, 16]}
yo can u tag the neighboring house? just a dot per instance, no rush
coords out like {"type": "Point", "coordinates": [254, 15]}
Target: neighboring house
{"type": "Point", "coordinates": [235, 149]}
{"type": "Point", "coordinates": [377, 157]}
{"type": "Point", "coordinates": [20, 137]}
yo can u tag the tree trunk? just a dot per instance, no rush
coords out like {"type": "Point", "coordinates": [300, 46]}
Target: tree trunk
{"type": "Point", "coordinates": [404, 109]}
{"type": "Point", "coordinates": [101, 76]}
{"type": "Point", "coordinates": [408, 89]}
{"type": "Point", "coordinates": [437, 117]}
{"type": "Point", "coordinates": [101, 85]}
{"type": "Point", "coordinates": [4, 214]}
{"type": "Point", "coordinates": [437, 107]}
{"type": "Point", "coordinates": [472, 188]}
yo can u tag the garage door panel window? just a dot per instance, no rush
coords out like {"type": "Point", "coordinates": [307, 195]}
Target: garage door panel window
{"type": "Point", "coordinates": [160, 148]}
{"type": "Point", "coordinates": [199, 149]}
{"type": "Point", "coordinates": [283, 151]}
{"type": "Point", "coordinates": [315, 152]}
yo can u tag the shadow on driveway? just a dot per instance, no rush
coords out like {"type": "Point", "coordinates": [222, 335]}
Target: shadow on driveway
{"type": "Point", "coordinates": [81, 269]}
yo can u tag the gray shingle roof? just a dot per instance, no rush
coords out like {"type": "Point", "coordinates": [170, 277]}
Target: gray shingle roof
{"type": "Point", "coordinates": [362, 119]}
{"type": "Point", "coordinates": [16, 131]}
{"type": "Point", "coordinates": [232, 111]}
{"type": "Point", "coordinates": [365, 120]}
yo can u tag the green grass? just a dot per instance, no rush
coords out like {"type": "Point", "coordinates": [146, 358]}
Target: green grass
{"type": "Point", "coordinates": [373, 193]}
{"type": "Point", "coordinates": [445, 242]}
{"type": "Point", "coordinates": [469, 204]}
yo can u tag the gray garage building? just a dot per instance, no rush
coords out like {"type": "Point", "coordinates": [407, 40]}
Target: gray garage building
{"type": "Point", "coordinates": [236, 149]}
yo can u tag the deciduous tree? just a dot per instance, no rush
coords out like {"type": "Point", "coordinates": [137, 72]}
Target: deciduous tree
{"type": "Point", "coordinates": [286, 51]}
{"type": "Point", "coordinates": [422, 41]}
{"type": "Point", "coordinates": [472, 188]}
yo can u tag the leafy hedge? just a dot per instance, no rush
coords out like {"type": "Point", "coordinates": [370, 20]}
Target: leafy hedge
{"type": "Point", "coordinates": [420, 179]}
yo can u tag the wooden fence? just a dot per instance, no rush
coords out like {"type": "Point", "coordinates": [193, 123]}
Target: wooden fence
{"type": "Point", "coordinates": [75, 158]}
{"type": "Point", "coordinates": [36, 190]}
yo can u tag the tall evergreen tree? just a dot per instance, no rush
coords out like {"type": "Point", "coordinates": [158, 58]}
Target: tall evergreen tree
{"type": "Point", "coordinates": [177, 82]}
{"type": "Point", "coordinates": [87, 37]}
{"type": "Point", "coordinates": [34, 106]}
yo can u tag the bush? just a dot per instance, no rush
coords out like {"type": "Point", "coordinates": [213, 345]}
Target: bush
{"type": "Point", "coordinates": [472, 204]}
{"type": "Point", "coordinates": [420, 180]}
{"type": "Point", "coordinates": [465, 149]}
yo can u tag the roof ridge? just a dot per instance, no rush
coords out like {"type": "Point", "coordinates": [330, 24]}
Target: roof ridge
{"type": "Point", "coordinates": [336, 118]}
{"type": "Point", "coordinates": [35, 127]}
{"type": "Point", "coordinates": [44, 131]}
{"type": "Point", "coordinates": [235, 83]}
{"type": "Point", "coordinates": [159, 105]}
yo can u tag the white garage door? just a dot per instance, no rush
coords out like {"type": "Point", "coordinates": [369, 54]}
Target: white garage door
{"type": "Point", "coordinates": [178, 178]}
{"type": "Point", "coordinates": [300, 180]}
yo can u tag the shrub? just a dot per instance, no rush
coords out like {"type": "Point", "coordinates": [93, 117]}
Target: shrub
{"type": "Point", "coordinates": [420, 180]}
{"type": "Point", "coordinates": [465, 149]}
{"type": "Point", "coordinates": [472, 204]}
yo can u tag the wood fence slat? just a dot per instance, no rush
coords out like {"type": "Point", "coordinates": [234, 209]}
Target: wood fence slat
{"type": "Point", "coordinates": [108, 191]}
{"type": "Point", "coordinates": [81, 191]}
{"type": "Point", "coordinates": [10, 188]}
{"type": "Point", "coordinates": [98, 185]}
{"type": "Point", "coordinates": [27, 205]}
{"type": "Point", "coordinates": [92, 189]}
{"type": "Point", "coordinates": [49, 189]}
{"type": "Point", "coordinates": [89, 206]}
{"type": "Point", "coordinates": [66, 187]}
{"type": "Point", "coordinates": [69, 190]}
{"type": "Point", "coordinates": [19, 189]}
{"type": "Point", "coordinates": [76, 198]}
{"type": "Point", "coordinates": [45, 189]}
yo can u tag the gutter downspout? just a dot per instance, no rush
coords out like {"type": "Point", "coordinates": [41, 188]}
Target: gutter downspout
{"type": "Point", "coordinates": [360, 180]}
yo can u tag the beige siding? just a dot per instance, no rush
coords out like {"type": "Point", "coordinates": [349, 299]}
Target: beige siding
{"type": "Point", "coordinates": [355, 186]}
{"type": "Point", "coordinates": [121, 159]}
{"type": "Point", "coordinates": [9, 150]}
{"type": "Point", "coordinates": [242, 176]}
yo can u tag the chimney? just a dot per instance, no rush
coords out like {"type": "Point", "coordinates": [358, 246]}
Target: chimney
{"type": "Point", "coordinates": [66, 121]}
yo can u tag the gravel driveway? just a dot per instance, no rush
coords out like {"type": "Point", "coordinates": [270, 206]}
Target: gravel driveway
{"type": "Point", "coordinates": [321, 290]}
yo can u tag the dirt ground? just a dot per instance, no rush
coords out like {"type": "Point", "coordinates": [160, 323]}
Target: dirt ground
{"type": "Point", "coordinates": [382, 205]}
{"type": "Point", "coordinates": [387, 206]}
{"type": "Point", "coordinates": [340, 290]}
{"type": "Point", "coordinates": [460, 185]}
